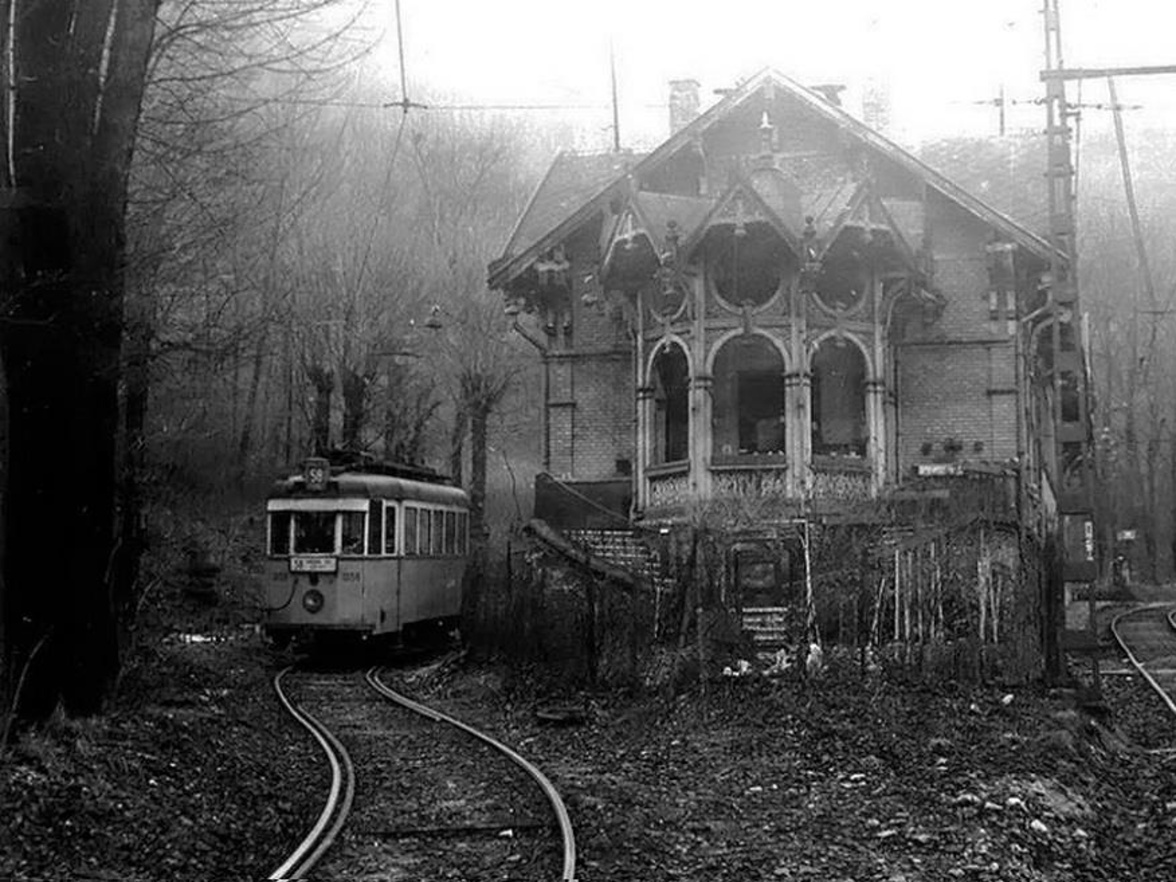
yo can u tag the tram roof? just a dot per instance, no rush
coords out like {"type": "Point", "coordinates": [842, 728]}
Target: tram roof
{"type": "Point", "coordinates": [351, 485]}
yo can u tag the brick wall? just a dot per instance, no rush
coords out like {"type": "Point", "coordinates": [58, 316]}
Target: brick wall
{"type": "Point", "coordinates": [605, 417]}
{"type": "Point", "coordinates": [957, 381]}
{"type": "Point", "coordinates": [591, 394]}
{"type": "Point", "coordinates": [960, 271]}
{"type": "Point", "coordinates": [591, 415]}
{"type": "Point", "coordinates": [960, 392]}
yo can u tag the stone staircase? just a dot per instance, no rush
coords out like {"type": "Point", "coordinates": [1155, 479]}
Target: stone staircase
{"type": "Point", "coordinates": [768, 627]}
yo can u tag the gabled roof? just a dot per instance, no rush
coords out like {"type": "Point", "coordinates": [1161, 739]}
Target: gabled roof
{"type": "Point", "coordinates": [649, 214]}
{"type": "Point", "coordinates": [732, 203]}
{"type": "Point", "coordinates": [577, 187]}
{"type": "Point", "coordinates": [815, 102]}
{"type": "Point", "coordinates": [572, 180]}
{"type": "Point", "coordinates": [827, 205]}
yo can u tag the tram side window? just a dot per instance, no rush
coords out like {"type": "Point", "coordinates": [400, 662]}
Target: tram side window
{"type": "Point", "coordinates": [390, 529]}
{"type": "Point", "coordinates": [438, 532]}
{"type": "Point", "coordinates": [463, 527]}
{"type": "Point", "coordinates": [353, 528]}
{"type": "Point", "coordinates": [451, 532]}
{"type": "Point", "coordinates": [314, 532]}
{"type": "Point", "coordinates": [279, 532]}
{"type": "Point", "coordinates": [425, 527]}
{"type": "Point", "coordinates": [375, 526]}
{"type": "Point", "coordinates": [410, 529]}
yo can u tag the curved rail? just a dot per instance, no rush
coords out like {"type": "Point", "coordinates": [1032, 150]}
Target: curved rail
{"type": "Point", "coordinates": [553, 797]}
{"type": "Point", "coordinates": [339, 798]}
{"type": "Point", "coordinates": [1170, 619]}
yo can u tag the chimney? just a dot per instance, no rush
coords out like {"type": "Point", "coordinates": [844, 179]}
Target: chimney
{"type": "Point", "coordinates": [683, 103]}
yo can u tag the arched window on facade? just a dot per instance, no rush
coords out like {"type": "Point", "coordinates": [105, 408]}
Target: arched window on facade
{"type": "Point", "coordinates": [671, 416]}
{"type": "Point", "coordinates": [838, 399]}
{"type": "Point", "coordinates": [748, 398]}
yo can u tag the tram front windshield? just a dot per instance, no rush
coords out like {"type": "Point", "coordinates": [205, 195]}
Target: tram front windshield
{"type": "Point", "coordinates": [314, 532]}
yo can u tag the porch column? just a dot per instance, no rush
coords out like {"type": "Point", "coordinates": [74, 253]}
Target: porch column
{"type": "Point", "coordinates": [701, 435]}
{"type": "Point", "coordinates": [702, 399]}
{"type": "Point", "coordinates": [876, 394]}
{"type": "Point", "coordinates": [644, 444]}
{"type": "Point", "coordinates": [796, 430]}
{"type": "Point", "coordinates": [876, 427]}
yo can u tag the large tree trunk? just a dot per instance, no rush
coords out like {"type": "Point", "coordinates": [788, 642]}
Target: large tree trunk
{"type": "Point", "coordinates": [479, 430]}
{"type": "Point", "coordinates": [457, 435]}
{"type": "Point", "coordinates": [245, 445]}
{"type": "Point", "coordinates": [78, 87]}
{"type": "Point", "coordinates": [355, 384]}
{"type": "Point", "coordinates": [136, 366]}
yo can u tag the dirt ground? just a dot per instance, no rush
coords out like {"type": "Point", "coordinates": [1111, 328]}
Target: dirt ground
{"type": "Point", "coordinates": [194, 774]}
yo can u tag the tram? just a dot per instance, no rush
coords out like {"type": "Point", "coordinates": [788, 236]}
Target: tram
{"type": "Point", "coordinates": [364, 549]}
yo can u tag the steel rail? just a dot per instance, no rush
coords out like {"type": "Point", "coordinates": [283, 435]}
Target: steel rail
{"type": "Point", "coordinates": [553, 797]}
{"type": "Point", "coordinates": [323, 833]}
{"type": "Point", "coordinates": [1139, 665]}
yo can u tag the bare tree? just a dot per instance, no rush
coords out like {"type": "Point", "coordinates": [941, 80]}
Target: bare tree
{"type": "Point", "coordinates": [72, 105]}
{"type": "Point", "coordinates": [471, 183]}
{"type": "Point", "coordinates": [1131, 330]}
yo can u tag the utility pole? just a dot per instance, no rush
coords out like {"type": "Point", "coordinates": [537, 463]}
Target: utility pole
{"type": "Point", "coordinates": [616, 113]}
{"type": "Point", "coordinates": [1073, 469]}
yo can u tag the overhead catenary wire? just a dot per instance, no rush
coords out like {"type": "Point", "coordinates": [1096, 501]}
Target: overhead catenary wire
{"type": "Point", "coordinates": [385, 105]}
{"type": "Point", "coordinates": [405, 105]}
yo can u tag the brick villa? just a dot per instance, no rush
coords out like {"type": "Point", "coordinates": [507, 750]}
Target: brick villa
{"type": "Point", "coordinates": [778, 299]}
{"type": "Point", "coordinates": [781, 304]}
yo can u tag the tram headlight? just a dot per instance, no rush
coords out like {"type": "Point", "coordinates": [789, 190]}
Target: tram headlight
{"type": "Point", "coordinates": [312, 601]}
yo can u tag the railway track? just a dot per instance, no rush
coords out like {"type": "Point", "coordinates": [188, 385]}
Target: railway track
{"type": "Point", "coordinates": [1148, 637]}
{"type": "Point", "coordinates": [426, 796]}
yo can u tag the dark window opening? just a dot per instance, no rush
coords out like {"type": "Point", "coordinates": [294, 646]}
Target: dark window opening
{"type": "Point", "coordinates": [671, 398]}
{"type": "Point", "coordinates": [758, 578]}
{"type": "Point", "coordinates": [390, 529]}
{"type": "Point", "coordinates": [1073, 466]}
{"type": "Point", "coordinates": [844, 279]}
{"type": "Point", "coordinates": [749, 398]}
{"type": "Point", "coordinates": [314, 532]}
{"type": "Point", "coordinates": [838, 400]}
{"type": "Point", "coordinates": [768, 575]}
{"type": "Point", "coordinates": [375, 526]}
{"type": "Point", "coordinates": [450, 532]}
{"type": "Point", "coordinates": [746, 263]}
{"type": "Point", "coordinates": [842, 284]}
{"type": "Point", "coordinates": [665, 297]}
{"type": "Point", "coordinates": [425, 532]}
{"type": "Point", "coordinates": [1067, 342]}
{"type": "Point", "coordinates": [438, 532]}
{"type": "Point", "coordinates": [1071, 409]}
{"type": "Point", "coordinates": [279, 532]}
{"type": "Point", "coordinates": [463, 523]}
{"type": "Point", "coordinates": [410, 530]}
{"type": "Point", "coordinates": [761, 427]}
{"type": "Point", "coordinates": [352, 533]}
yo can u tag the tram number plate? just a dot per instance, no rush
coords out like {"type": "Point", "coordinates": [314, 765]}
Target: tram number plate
{"type": "Point", "coordinates": [313, 564]}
